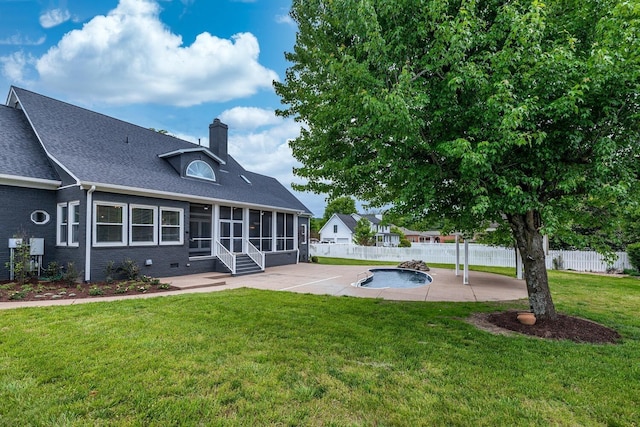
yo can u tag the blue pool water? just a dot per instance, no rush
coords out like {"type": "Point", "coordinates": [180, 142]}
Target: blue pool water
{"type": "Point", "coordinates": [395, 278]}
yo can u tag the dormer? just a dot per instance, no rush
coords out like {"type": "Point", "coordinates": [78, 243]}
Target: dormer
{"type": "Point", "coordinates": [201, 162]}
{"type": "Point", "coordinates": [196, 163]}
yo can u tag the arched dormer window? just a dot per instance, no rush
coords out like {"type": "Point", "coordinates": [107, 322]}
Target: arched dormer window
{"type": "Point", "coordinates": [200, 169]}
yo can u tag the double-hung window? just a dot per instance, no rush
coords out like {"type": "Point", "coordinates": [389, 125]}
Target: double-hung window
{"type": "Point", "coordinates": [171, 226]}
{"type": "Point", "coordinates": [68, 224]}
{"type": "Point", "coordinates": [109, 226]}
{"type": "Point", "coordinates": [62, 216]}
{"type": "Point", "coordinates": [143, 226]}
{"type": "Point", "coordinates": [74, 223]}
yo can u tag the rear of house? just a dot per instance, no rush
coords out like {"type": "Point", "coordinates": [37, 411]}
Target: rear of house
{"type": "Point", "coordinates": [101, 191]}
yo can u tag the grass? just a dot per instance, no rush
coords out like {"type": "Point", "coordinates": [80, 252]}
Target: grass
{"type": "Point", "coordinates": [251, 357]}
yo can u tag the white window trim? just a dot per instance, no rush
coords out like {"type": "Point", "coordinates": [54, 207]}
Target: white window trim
{"type": "Point", "coordinates": [70, 224]}
{"type": "Point", "coordinates": [180, 226]}
{"type": "Point", "coordinates": [59, 217]}
{"type": "Point", "coordinates": [304, 234]}
{"type": "Point", "coordinates": [154, 242]}
{"type": "Point", "coordinates": [198, 176]}
{"type": "Point", "coordinates": [123, 242]}
{"type": "Point", "coordinates": [47, 217]}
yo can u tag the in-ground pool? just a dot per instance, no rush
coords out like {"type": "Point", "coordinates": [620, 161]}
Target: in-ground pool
{"type": "Point", "coordinates": [381, 278]}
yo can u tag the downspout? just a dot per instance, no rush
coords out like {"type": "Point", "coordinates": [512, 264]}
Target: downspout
{"type": "Point", "coordinates": [88, 237]}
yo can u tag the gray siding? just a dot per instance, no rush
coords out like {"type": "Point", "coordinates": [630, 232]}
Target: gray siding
{"type": "Point", "coordinates": [166, 260]}
{"type": "Point", "coordinates": [304, 247]}
{"type": "Point", "coordinates": [274, 259]}
{"type": "Point", "coordinates": [15, 218]}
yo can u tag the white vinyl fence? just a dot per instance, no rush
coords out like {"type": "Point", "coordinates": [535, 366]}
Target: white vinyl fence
{"type": "Point", "coordinates": [445, 253]}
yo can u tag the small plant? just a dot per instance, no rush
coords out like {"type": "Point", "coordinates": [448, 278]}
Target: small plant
{"type": "Point", "coordinates": [164, 286]}
{"type": "Point", "coordinates": [21, 260]}
{"type": "Point", "coordinates": [95, 291]}
{"type": "Point", "coordinates": [109, 271]}
{"type": "Point", "coordinates": [71, 274]}
{"type": "Point", "coordinates": [142, 288]}
{"type": "Point", "coordinates": [129, 268]}
{"type": "Point", "coordinates": [121, 289]}
{"type": "Point", "coordinates": [17, 295]}
{"type": "Point", "coordinates": [53, 271]}
{"type": "Point", "coordinates": [314, 259]}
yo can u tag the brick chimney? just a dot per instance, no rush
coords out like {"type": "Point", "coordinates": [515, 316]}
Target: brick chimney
{"type": "Point", "coordinates": [218, 132]}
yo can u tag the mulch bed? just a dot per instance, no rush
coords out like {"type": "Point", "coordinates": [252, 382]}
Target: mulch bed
{"type": "Point", "coordinates": [564, 327]}
{"type": "Point", "coordinates": [56, 290]}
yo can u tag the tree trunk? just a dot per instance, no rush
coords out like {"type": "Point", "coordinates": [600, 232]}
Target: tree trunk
{"type": "Point", "coordinates": [526, 230]}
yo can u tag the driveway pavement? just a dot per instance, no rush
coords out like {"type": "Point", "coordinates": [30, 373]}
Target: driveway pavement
{"type": "Point", "coordinates": [332, 280]}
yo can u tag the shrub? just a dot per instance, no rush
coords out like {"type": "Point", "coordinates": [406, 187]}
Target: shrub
{"type": "Point", "coordinates": [633, 251]}
{"type": "Point", "coordinates": [129, 268]}
{"type": "Point", "coordinates": [314, 259]}
{"type": "Point", "coordinates": [109, 271]}
{"type": "Point", "coordinates": [95, 290]}
{"type": "Point", "coordinates": [71, 274]}
{"type": "Point", "coordinates": [53, 271]}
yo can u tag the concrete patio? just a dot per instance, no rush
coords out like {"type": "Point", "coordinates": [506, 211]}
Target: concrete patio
{"type": "Point", "coordinates": [330, 280]}
{"type": "Point", "coordinates": [336, 280]}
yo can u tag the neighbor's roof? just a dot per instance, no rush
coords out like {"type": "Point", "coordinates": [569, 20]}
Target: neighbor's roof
{"type": "Point", "coordinates": [348, 220]}
{"type": "Point", "coordinates": [99, 149]}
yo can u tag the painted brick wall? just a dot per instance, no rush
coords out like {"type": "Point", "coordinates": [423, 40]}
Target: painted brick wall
{"type": "Point", "coordinates": [17, 204]}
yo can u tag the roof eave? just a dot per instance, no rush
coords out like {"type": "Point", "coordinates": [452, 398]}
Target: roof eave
{"type": "Point", "coordinates": [28, 182]}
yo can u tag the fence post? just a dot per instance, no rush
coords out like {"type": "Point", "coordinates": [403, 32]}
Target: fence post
{"type": "Point", "coordinates": [457, 255]}
{"type": "Point", "coordinates": [465, 278]}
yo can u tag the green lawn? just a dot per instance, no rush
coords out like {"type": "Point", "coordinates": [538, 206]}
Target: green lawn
{"type": "Point", "coordinates": [250, 357]}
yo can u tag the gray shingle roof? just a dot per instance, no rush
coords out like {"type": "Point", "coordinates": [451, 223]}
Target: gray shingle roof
{"type": "Point", "coordinates": [97, 148]}
{"type": "Point", "coordinates": [22, 155]}
{"type": "Point", "coordinates": [349, 221]}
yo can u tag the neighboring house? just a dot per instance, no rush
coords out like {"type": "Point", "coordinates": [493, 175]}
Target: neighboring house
{"type": "Point", "coordinates": [341, 227]}
{"type": "Point", "coordinates": [421, 236]}
{"type": "Point", "coordinates": [100, 190]}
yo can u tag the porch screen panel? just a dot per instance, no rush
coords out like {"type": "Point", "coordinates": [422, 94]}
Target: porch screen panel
{"type": "Point", "coordinates": [266, 241]}
{"type": "Point", "coordinates": [254, 228]}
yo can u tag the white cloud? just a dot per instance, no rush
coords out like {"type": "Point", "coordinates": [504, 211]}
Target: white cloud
{"type": "Point", "coordinates": [249, 118]}
{"type": "Point", "coordinates": [14, 66]}
{"type": "Point", "coordinates": [19, 39]}
{"type": "Point", "coordinates": [285, 19]}
{"type": "Point", "coordinates": [54, 17]}
{"type": "Point", "coordinates": [130, 56]}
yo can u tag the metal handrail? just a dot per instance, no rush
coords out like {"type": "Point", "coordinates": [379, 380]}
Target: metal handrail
{"type": "Point", "coordinates": [255, 254]}
{"type": "Point", "coordinates": [227, 258]}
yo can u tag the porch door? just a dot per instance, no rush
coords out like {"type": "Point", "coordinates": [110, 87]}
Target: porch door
{"type": "Point", "coordinates": [200, 230]}
{"type": "Point", "coordinates": [231, 226]}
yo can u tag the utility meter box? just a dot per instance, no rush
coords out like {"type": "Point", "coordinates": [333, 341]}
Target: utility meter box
{"type": "Point", "coordinates": [14, 243]}
{"type": "Point", "coordinates": [37, 246]}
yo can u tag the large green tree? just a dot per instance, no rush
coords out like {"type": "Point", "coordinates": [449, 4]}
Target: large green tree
{"type": "Point", "coordinates": [342, 205]}
{"type": "Point", "coordinates": [473, 110]}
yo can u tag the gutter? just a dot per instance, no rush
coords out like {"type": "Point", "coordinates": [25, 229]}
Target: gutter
{"type": "Point", "coordinates": [88, 239]}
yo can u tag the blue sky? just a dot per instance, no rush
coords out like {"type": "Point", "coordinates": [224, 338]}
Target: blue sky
{"type": "Point", "coordinates": [166, 64]}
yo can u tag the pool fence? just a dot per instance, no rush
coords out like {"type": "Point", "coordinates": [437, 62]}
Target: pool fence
{"type": "Point", "coordinates": [445, 253]}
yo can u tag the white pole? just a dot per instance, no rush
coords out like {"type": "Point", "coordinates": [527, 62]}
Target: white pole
{"type": "Point", "coordinates": [457, 255]}
{"type": "Point", "coordinates": [519, 272]}
{"type": "Point", "coordinates": [465, 278]}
